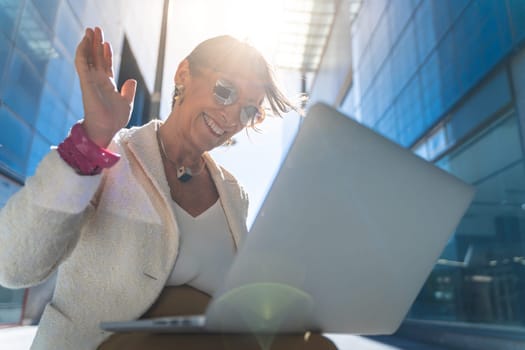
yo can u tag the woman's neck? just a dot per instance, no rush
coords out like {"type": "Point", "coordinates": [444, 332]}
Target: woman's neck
{"type": "Point", "coordinates": [176, 147]}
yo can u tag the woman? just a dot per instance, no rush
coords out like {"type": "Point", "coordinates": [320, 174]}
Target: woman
{"type": "Point", "coordinates": [139, 222]}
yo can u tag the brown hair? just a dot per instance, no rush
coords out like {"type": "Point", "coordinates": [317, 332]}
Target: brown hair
{"type": "Point", "coordinates": [227, 54]}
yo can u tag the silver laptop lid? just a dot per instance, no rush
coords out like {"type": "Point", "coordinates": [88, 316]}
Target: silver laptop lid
{"type": "Point", "coordinates": [346, 237]}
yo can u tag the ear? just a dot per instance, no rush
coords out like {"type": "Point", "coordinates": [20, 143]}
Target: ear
{"type": "Point", "coordinates": [183, 75]}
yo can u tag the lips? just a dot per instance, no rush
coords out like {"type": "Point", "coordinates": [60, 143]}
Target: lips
{"type": "Point", "coordinates": [216, 129]}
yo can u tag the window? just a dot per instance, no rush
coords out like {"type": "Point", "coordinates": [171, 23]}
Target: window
{"type": "Point", "coordinates": [480, 277]}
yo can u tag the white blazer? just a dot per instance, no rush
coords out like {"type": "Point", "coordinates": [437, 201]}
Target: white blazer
{"type": "Point", "coordinates": [113, 238]}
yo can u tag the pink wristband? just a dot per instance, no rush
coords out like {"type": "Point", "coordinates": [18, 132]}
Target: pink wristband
{"type": "Point", "coordinates": [83, 155]}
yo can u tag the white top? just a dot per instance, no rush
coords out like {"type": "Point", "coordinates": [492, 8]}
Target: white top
{"type": "Point", "coordinates": [206, 249]}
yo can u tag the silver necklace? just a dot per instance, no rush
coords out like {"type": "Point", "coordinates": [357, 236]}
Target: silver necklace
{"type": "Point", "coordinates": [184, 174]}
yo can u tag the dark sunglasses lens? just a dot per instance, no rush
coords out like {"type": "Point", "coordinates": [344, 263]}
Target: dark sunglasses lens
{"type": "Point", "coordinates": [250, 115]}
{"type": "Point", "coordinates": [224, 94]}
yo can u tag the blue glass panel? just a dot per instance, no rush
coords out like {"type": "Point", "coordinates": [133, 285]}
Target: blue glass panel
{"type": "Point", "coordinates": [387, 125]}
{"type": "Point", "coordinates": [410, 113]}
{"type": "Point", "coordinates": [75, 101]}
{"type": "Point", "coordinates": [409, 59]}
{"type": "Point", "coordinates": [474, 41]}
{"type": "Point", "coordinates": [489, 51]}
{"type": "Point", "coordinates": [52, 114]}
{"type": "Point", "coordinates": [437, 143]}
{"type": "Point", "coordinates": [60, 74]}
{"type": "Point", "coordinates": [23, 88]}
{"type": "Point", "coordinates": [373, 62]}
{"type": "Point", "coordinates": [399, 13]}
{"type": "Point", "coordinates": [5, 49]}
{"type": "Point", "coordinates": [489, 241]}
{"type": "Point", "coordinates": [485, 39]}
{"type": "Point", "coordinates": [496, 28]}
{"type": "Point", "coordinates": [494, 10]}
{"type": "Point", "coordinates": [448, 70]}
{"type": "Point", "coordinates": [363, 29]}
{"type": "Point", "coordinates": [431, 87]}
{"type": "Point", "coordinates": [380, 46]}
{"type": "Point", "coordinates": [441, 17]}
{"type": "Point", "coordinates": [348, 104]}
{"type": "Point", "coordinates": [15, 143]}
{"type": "Point", "coordinates": [404, 58]}
{"type": "Point", "coordinates": [421, 151]}
{"type": "Point", "coordinates": [67, 29]}
{"type": "Point", "coordinates": [446, 51]}
{"type": "Point", "coordinates": [424, 28]}
{"type": "Point", "coordinates": [456, 8]}
{"type": "Point", "coordinates": [375, 10]}
{"type": "Point", "coordinates": [470, 20]}
{"type": "Point", "coordinates": [34, 38]}
{"type": "Point", "coordinates": [517, 14]}
{"type": "Point", "coordinates": [450, 88]}
{"type": "Point", "coordinates": [368, 108]}
{"type": "Point", "coordinates": [384, 88]}
{"type": "Point", "coordinates": [11, 302]}
{"type": "Point", "coordinates": [396, 58]}
{"type": "Point", "coordinates": [47, 9]}
{"type": "Point", "coordinates": [422, 113]}
{"type": "Point", "coordinates": [374, 96]}
{"type": "Point", "coordinates": [365, 73]}
{"type": "Point", "coordinates": [9, 12]}
{"type": "Point", "coordinates": [464, 35]}
{"type": "Point", "coordinates": [494, 95]}
{"type": "Point", "coordinates": [70, 121]}
{"type": "Point", "coordinates": [39, 149]}
{"type": "Point", "coordinates": [80, 8]}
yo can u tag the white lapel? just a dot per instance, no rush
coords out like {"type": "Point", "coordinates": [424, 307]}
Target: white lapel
{"type": "Point", "coordinates": [145, 162]}
{"type": "Point", "coordinates": [231, 199]}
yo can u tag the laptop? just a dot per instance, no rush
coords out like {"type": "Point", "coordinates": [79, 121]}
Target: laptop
{"type": "Point", "coordinates": [345, 239]}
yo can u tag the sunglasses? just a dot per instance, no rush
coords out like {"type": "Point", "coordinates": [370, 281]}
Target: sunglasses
{"type": "Point", "coordinates": [226, 94]}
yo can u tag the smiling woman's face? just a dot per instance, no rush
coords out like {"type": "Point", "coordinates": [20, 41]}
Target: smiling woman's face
{"type": "Point", "coordinates": [207, 120]}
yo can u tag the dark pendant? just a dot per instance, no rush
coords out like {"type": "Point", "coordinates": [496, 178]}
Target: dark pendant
{"type": "Point", "coordinates": [184, 174]}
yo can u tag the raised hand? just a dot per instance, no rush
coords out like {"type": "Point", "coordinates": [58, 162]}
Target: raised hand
{"type": "Point", "coordinates": [106, 110]}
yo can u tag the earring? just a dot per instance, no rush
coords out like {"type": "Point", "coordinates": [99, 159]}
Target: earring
{"type": "Point", "coordinates": [179, 93]}
{"type": "Point", "coordinates": [229, 142]}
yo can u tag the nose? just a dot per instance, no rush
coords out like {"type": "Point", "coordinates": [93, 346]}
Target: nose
{"type": "Point", "coordinates": [224, 117]}
{"type": "Point", "coordinates": [231, 115]}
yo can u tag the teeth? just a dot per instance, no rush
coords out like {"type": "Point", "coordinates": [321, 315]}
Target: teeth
{"type": "Point", "coordinates": [216, 129]}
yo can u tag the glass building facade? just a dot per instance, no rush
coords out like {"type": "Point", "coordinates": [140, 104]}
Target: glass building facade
{"type": "Point", "coordinates": [40, 95]}
{"type": "Point", "coordinates": [446, 78]}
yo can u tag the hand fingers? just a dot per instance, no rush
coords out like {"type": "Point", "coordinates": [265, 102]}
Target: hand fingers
{"type": "Point", "coordinates": [90, 34]}
{"type": "Point", "coordinates": [98, 49]}
{"type": "Point", "coordinates": [128, 90]}
{"type": "Point", "coordinates": [108, 58]}
{"type": "Point", "coordinates": [83, 57]}
{"type": "Point", "coordinates": [93, 52]}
